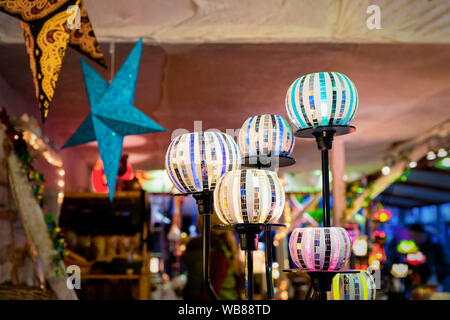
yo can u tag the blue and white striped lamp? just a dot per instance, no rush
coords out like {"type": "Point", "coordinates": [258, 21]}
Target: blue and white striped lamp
{"type": "Point", "coordinates": [196, 161]}
{"type": "Point", "coordinates": [266, 135]}
{"type": "Point", "coordinates": [321, 99]}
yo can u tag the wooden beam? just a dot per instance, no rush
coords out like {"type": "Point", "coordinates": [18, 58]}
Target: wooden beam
{"type": "Point", "coordinates": [418, 148]}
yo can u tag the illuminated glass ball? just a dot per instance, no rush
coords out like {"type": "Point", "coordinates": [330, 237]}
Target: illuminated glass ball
{"type": "Point", "coordinates": [267, 134]}
{"type": "Point", "coordinates": [196, 161]}
{"type": "Point", "coordinates": [249, 196]}
{"type": "Point", "coordinates": [321, 99]}
{"type": "Point", "coordinates": [322, 249]}
{"type": "Point", "coordinates": [353, 286]}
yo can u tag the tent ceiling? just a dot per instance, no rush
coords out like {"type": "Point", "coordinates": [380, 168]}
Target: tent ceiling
{"type": "Point", "coordinates": [256, 21]}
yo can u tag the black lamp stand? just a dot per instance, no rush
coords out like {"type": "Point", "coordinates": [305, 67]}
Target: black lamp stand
{"type": "Point", "coordinates": [249, 234]}
{"type": "Point", "coordinates": [205, 209]}
{"type": "Point", "coordinates": [267, 162]}
{"type": "Point", "coordinates": [321, 280]}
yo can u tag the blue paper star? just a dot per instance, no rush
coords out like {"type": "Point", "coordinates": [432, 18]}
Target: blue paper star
{"type": "Point", "coordinates": [113, 115]}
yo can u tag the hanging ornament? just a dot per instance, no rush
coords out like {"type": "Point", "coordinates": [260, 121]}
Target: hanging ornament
{"type": "Point", "coordinates": [48, 27]}
{"type": "Point", "coordinates": [113, 115]}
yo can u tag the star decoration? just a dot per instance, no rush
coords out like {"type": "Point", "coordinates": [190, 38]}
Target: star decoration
{"type": "Point", "coordinates": [113, 115]}
{"type": "Point", "coordinates": [48, 27]}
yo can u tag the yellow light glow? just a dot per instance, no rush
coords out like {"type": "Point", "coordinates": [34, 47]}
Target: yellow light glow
{"type": "Point", "coordinates": [284, 295]}
{"type": "Point", "coordinates": [60, 183]}
{"type": "Point", "coordinates": [399, 270]}
{"type": "Point", "coordinates": [61, 172]}
{"type": "Point", "coordinates": [283, 285]}
{"type": "Point", "coordinates": [276, 274]}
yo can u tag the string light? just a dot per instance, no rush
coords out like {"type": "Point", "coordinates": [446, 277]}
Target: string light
{"type": "Point", "coordinates": [386, 170]}
{"type": "Point", "coordinates": [442, 153]}
{"type": "Point", "coordinates": [412, 164]}
{"type": "Point", "coordinates": [61, 172]}
{"type": "Point", "coordinates": [431, 155]}
{"type": "Point", "coordinates": [60, 183]}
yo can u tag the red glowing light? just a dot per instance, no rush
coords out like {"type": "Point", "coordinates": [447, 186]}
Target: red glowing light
{"type": "Point", "coordinates": [379, 234]}
{"type": "Point", "coordinates": [415, 259]}
{"type": "Point", "coordinates": [98, 177]}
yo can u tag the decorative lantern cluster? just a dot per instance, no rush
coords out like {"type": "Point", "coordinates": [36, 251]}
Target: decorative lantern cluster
{"type": "Point", "coordinates": [249, 201]}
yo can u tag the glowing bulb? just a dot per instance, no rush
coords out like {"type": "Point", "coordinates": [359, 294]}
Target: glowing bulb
{"type": "Point", "coordinates": [386, 170]}
{"type": "Point", "coordinates": [60, 195]}
{"type": "Point", "coordinates": [442, 153]}
{"type": "Point", "coordinates": [431, 155]}
{"type": "Point", "coordinates": [446, 162]}
{"type": "Point", "coordinates": [399, 270]}
{"type": "Point", "coordinates": [412, 164]}
{"type": "Point", "coordinates": [276, 274]}
{"type": "Point", "coordinates": [60, 183]}
{"type": "Point", "coordinates": [284, 295]}
{"type": "Point", "coordinates": [61, 172]}
{"type": "Point", "coordinates": [154, 265]}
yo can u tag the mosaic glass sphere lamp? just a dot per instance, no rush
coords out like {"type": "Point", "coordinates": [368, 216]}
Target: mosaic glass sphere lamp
{"type": "Point", "coordinates": [249, 201]}
{"type": "Point", "coordinates": [322, 253]}
{"type": "Point", "coordinates": [320, 249]}
{"type": "Point", "coordinates": [321, 105]}
{"type": "Point", "coordinates": [194, 163]}
{"type": "Point", "coordinates": [353, 286]}
{"type": "Point", "coordinates": [266, 141]}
